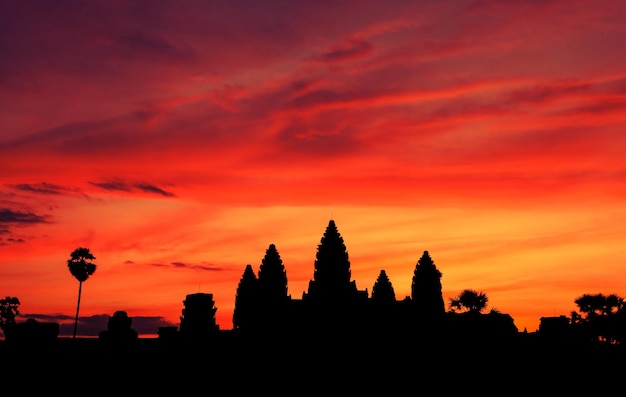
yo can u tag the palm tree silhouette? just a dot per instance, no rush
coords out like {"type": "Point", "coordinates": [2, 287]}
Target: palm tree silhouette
{"type": "Point", "coordinates": [469, 301]}
{"type": "Point", "coordinates": [81, 267]}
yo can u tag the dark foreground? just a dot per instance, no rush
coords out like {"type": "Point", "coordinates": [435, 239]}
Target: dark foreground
{"type": "Point", "coordinates": [234, 365]}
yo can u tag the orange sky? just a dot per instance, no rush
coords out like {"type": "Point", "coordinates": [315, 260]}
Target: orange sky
{"type": "Point", "coordinates": [178, 141]}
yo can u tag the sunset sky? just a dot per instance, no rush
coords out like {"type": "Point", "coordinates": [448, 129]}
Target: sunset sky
{"type": "Point", "coordinates": [178, 140]}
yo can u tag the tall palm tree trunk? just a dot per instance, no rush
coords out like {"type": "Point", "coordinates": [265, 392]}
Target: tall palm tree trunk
{"type": "Point", "coordinates": [80, 287]}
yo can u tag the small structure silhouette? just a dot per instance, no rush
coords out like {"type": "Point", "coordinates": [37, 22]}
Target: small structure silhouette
{"type": "Point", "coordinates": [119, 329]}
{"type": "Point", "coordinates": [198, 322]}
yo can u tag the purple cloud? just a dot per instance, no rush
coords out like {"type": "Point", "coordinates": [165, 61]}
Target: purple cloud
{"type": "Point", "coordinates": [152, 189]}
{"type": "Point", "coordinates": [93, 325]}
{"type": "Point", "coordinates": [42, 188]}
{"type": "Point", "coordinates": [356, 49]}
{"type": "Point", "coordinates": [211, 268]}
{"type": "Point", "coordinates": [128, 187]}
{"type": "Point", "coordinates": [8, 216]}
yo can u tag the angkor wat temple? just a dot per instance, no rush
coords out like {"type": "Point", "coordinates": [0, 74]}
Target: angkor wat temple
{"type": "Point", "coordinates": [334, 305]}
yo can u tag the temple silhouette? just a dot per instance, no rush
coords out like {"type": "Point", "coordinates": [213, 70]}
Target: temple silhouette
{"type": "Point", "coordinates": [334, 305]}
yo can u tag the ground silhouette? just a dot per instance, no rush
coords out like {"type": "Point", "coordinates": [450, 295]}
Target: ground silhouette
{"type": "Point", "coordinates": [308, 363]}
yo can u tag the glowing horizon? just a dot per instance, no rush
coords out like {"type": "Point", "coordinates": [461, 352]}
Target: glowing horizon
{"type": "Point", "coordinates": [178, 142]}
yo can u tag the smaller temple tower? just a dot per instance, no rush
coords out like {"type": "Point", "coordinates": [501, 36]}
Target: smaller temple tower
{"type": "Point", "coordinates": [198, 319]}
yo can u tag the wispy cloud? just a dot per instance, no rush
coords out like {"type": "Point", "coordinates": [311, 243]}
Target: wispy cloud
{"type": "Point", "coordinates": [41, 188]}
{"type": "Point", "coordinates": [123, 186]}
{"type": "Point", "coordinates": [147, 45]}
{"type": "Point", "coordinates": [152, 189]}
{"type": "Point", "coordinates": [12, 240]}
{"type": "Point", "coordinates": [195, 266]}
{"type": "Point", "coordinates": [117, 186]}
{"type": "Point", "coordinates": [9, 216]}
{"type": "Point", "coordinates": [354, 50]}
{"type": "Point", "coordinates": [541, 93]}
{"type": "Point", "coordinates": [11, 220]}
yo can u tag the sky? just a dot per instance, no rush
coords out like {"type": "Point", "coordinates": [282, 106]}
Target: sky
{"type": "Point", "coordinates": [178, 140]}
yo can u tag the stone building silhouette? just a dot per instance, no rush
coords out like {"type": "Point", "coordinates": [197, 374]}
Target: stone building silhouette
{"type": "Point", "coordinates": [332, 282]}
{"type": "Point", "coordinates": [426, 291]}
{"type": "Point", "coordinates": [198, 317]}
{"type": "Point", "coordinates": [246, 314]}
{"type": "Point", "coordinates": [382, 291]}
{"type": "Point", "coordinates": [119, 329]}
{"type": "Point", "coordinates": [334, 306]}
{"type": "Point", "coordinates": [333, 302]}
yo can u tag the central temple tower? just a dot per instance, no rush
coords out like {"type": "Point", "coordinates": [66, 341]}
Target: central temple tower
{"type": "Point", "coordinates": [331, 276]}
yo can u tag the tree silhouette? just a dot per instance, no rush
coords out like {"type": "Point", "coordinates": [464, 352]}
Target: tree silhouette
{"type": "Point", "coordinates": [426, 287]}
{"type": "Point", "coordinates": [382, 291]}
{"type": "Point", "coordinates": [9, 309]}
{"type": "Point", "coordinates": [469, 301]}
{"type": "Point", "coordinates": [81, 267]}
{"type": "Point", "coordinates": [602, 317]}
{"type": "Point", "coordinates": [599, 304]}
